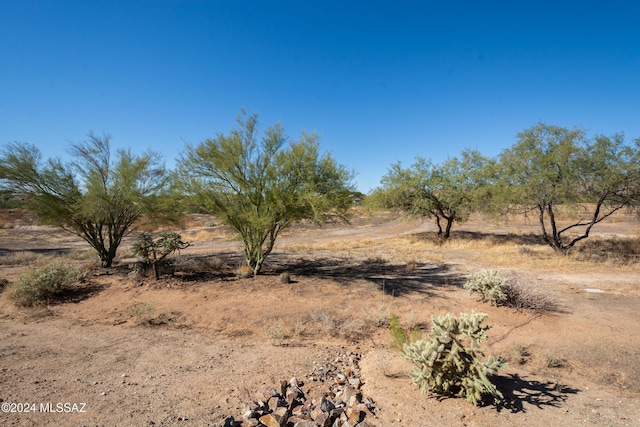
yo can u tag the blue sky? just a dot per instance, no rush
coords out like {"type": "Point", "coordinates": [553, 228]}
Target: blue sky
{"type": "Point", "coordinates": [379, 81]}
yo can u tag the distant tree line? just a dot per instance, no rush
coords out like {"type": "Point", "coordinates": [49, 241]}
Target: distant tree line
{"type": "Point", "coordinates": [260, 183]}
{"type": "Point", "coordinates": [547, 169]}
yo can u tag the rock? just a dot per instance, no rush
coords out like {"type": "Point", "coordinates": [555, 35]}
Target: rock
{"type": "Point", "coordinates": [349, 392]}
{"type": "Point", "coordinates": [355, 415]}
{"type": "Point", "coordinates": [326, 405]}
{"type": "Point", "coordinates": [355, 382]}
{"type": "Point", "coordinates": [270, 420]}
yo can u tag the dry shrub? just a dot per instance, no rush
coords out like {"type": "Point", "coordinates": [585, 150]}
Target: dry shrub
{"type": "Point", "coordinates": [616, 251]}
{"type": "Point", "coordinates": [21, 258]}
{"type": "Point", "coordinates": [522, 294]}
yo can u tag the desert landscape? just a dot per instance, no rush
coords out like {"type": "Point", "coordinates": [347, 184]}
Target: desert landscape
{"type": "Point", "coordinates": [201, 345]}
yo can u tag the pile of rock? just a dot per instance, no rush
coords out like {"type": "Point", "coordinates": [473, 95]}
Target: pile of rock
{"type": "Point", "coordinates": [342, 406]}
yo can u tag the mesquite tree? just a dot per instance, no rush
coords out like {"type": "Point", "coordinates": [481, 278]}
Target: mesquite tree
{"type": "Point", "coordinates": [552, 168]}
{"type": "Point", "coordinates": [448, 192]}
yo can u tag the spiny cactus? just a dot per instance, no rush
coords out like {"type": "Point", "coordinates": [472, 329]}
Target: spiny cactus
{"type": "Point", "coordinates": [448, 362]}
{"type": "Point", "coordinates": [489, 284]}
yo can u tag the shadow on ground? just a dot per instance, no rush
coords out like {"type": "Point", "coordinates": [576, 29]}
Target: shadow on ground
{"type": "Point", "coordinates": [518, 391]}
{"type": "Point", "coordinates": [392, 279]}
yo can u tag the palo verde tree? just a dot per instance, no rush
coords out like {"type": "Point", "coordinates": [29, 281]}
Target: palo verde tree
{"type": "Point", "coordinates": [97, 196]}
{"type": "Point", "coordinates": [552, 169]}
{"type": "Point", "coordinates": [448, 192]}
{"type": "Point", "coordinates": [259, 187]}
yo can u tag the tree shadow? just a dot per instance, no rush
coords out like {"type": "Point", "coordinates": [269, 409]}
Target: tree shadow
{"type": "Point", "coordinates": [518, 391]}
{"type": "Point", "coordinates": [79, 292]}
{"type": "Point", "coordinates": [497, 238]}
{"type": "Point", "coordinates": [36, 251]}
{"type": "Point", "coordinates": [392, 279]}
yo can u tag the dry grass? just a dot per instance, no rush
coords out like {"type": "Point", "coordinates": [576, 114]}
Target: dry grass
{"type": "Point", "coordinates": [208, 235]}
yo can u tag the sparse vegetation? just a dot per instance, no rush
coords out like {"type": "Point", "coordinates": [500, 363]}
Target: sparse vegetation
{"type": "Point", "coordinates": [154, 252]}
{"type": "Point", "coordinates": [519, 353]}
{"type": "Point", "coordinates": [401, 335]}
{"type": "Point", "coordinates": [449, 361]}
{"type": "Point", "coordinates": [510, 291]}
{"type": "Point", "coordinates": [40, 285]}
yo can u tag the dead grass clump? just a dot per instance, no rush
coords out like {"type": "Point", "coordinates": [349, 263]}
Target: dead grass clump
{"type": "Point", "coordinates": [244, 271]}
{"type": "Point", "coordinates": [615, 251]}
{"type": "Point", "coordinates": [275, 329]}
{"type": "Point", "coordinates": [323, 319]}
{"type": "Point", "coordinates": [522, 294]}
{"type": "Point", "coordinates": [20, 258]}
{"type": "Point", "coordinates": [142, 312]}
{"type": "Point", "coordinates": [197, 264]}
{"type": "Point", "coordinates": [519, 354]}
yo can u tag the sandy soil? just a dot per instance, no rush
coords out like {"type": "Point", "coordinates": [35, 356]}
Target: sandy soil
{"type": "Point", "coordinates": [194, 348]}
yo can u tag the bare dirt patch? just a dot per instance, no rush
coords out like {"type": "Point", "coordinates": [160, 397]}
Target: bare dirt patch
{"type": "Point", "coordinates": [194, 348]}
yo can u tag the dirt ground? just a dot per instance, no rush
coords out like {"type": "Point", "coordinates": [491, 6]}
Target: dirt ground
{"type": "Point", "coordinates": [195, 347]}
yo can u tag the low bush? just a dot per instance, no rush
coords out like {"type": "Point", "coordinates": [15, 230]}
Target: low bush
{"type": "Point", "coordinates": [449, 361]}
{"type": "Point", "coordinates": [153, 253]}
{"type": "Point", "coordinates": [510, 291]}
{"type": "Point", "coordinates": [42, 284]}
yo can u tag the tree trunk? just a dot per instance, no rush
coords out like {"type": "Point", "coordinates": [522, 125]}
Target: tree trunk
{"type": "Point", "coordinates": [447, 231]}
{"type": "Point", "coordinates": [439, 225]}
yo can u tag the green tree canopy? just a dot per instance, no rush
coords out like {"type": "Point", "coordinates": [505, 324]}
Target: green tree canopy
{"type": "Point", "coordinates": [260, 187]}
{"type": "Point", "coordinates": [95, 196]}
{"type": "Point", "coordinates": [552, 166]}
{"type": "Point", "coordinates": [448, 192]}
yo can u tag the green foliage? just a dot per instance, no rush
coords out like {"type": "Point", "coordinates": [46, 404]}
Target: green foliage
{"type": "Point", "coordinates": [154, 252]}
{"type": "Point", "coordinates": [96, 196]}
{"type": "Point", "coordinates": [449, 361]}
{"type": "Point", "coordinates": [448, 192]}
{"type": "Point", "coordinates": [552, 166]}
{"type": "Point", "coordinates": [42, 284]}
{"type": "Point", "coordinates": [259, 188]}
{"type": "Point", "coordinates": [400, 335]}
{"type": "Point", "coordinates": [489, 285]}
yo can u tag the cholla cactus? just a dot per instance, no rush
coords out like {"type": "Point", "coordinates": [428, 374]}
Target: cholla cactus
{"type": "Point", "coordinates": [489, 284]}
{"type": "Point", "coordinates": [448, 361]}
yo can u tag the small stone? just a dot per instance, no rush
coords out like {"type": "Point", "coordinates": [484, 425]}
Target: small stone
{"type": "Point", "coordinates": [327, 405]}
{"type": "Point", "coordinates": [270, 420]}
{"type": "Point", "coordinates": [294, 382]}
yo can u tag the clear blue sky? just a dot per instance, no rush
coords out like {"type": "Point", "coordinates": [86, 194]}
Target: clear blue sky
{"type": "Point", "coordinates": [379, 81]}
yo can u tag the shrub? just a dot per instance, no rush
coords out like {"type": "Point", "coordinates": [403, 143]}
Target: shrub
{"type": "Point", "coordinates": [39, 285]}
{"type": "Point", "coordinates": [401, 336]}
{"type": "Point", "coordinates": [522, 294]}
{"type": "Point", "coordinates": [448, 362]}
{"type": "Point", "coordinates": [511, 291]}
{"type": "Point", "coordinates": [154, 252]}
{"type": "Point", "coordinates": [489, 284]}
